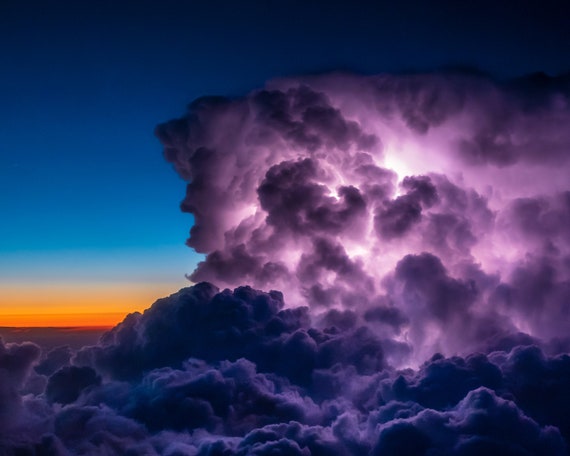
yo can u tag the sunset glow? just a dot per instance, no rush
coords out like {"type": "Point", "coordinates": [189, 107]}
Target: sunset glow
{"type": "Point", "coordinates": [77, 304]}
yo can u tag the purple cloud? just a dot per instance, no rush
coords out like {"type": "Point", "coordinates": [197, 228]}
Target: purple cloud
{"type": "Point", "coordinates": [417, 229]}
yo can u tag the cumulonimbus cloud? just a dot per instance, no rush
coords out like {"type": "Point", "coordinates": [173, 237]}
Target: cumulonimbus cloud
{"type": "Point", "coordinates": [410, 235]}
{"type": "Point", "coordinates": [441, 194]}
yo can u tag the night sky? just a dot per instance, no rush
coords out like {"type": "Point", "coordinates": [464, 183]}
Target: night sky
{"type": "Point", "coordinates": [391, 181]}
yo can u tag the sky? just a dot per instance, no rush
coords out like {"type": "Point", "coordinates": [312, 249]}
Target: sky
{"type": "Point", "coordinates": [284, 228]}
{"type": "Point", "coordinates": [86, 197]}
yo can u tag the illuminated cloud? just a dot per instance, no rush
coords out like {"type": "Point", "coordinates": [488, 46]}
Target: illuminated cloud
{"type": "Point", "coordinates": [445, 194]}
{"type": "Point", "coordinates": [416, 227]}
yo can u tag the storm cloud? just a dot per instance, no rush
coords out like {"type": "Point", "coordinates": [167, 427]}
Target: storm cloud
{"type": "Point", "coordinates": [386, 271]}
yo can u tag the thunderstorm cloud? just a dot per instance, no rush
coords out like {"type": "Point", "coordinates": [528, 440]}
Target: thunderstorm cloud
{"type": "Point", "coordinates": [386, 272]}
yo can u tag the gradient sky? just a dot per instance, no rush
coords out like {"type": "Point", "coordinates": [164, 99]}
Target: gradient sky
{"type": "Point", "coordinates": [90, 225]}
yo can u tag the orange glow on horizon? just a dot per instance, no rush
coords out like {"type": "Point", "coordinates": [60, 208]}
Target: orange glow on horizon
{"type": "Point", "coordinates": [78, 321]}
{"type": "Point", "coordinates": [77, 304]}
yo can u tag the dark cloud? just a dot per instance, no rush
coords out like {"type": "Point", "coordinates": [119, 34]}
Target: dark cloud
{"type": "Point", "coordinates": [514, 132]}
{"type": "Point", "coordinates": [538, 290]}
{"type": "Point", "coordinates": [317, 391]}
{"type": "Point", "coordinates": [541, 221]}
{"type": "Point", "coordinates": [423, 102]}
{"type": "Point", "coordinates": [214, 327]}
{"type": "Point", "coordinates": [66, 384]}
{"type": "Point", "coordinates": [386, 313]}
{"type": "Point", "coordinates": [294, 201]}
{"type": "Point", "coordinates": [327, 257]}
{"type": "Point", "coordinates": [480, 423]}
{"type": "Point", "coordinates": [54, 359]}
{"type": "Point", "coordinates": [428, 288]}
{"type": "Point", "coordinates": [442, 382]}
{"type": "Point", "coordinates": [15, 364]}
{"type": "Point", "coordinates": [539, 385]}
{"type": "Point", "coordinates": [398, 217]}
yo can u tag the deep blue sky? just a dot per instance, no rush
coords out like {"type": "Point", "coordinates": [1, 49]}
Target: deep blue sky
{"type": "Point", "coordinates": [83, 83]}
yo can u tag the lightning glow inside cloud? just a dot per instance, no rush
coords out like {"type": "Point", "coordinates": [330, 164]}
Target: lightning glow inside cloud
{"type": "Point", "coordinates": [343, 190]}
{"type": "Point", "coordinates": [387, 271]}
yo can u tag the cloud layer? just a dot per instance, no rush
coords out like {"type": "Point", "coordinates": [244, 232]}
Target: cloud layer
{"type": "Point", "coordinates": [417, 229]}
